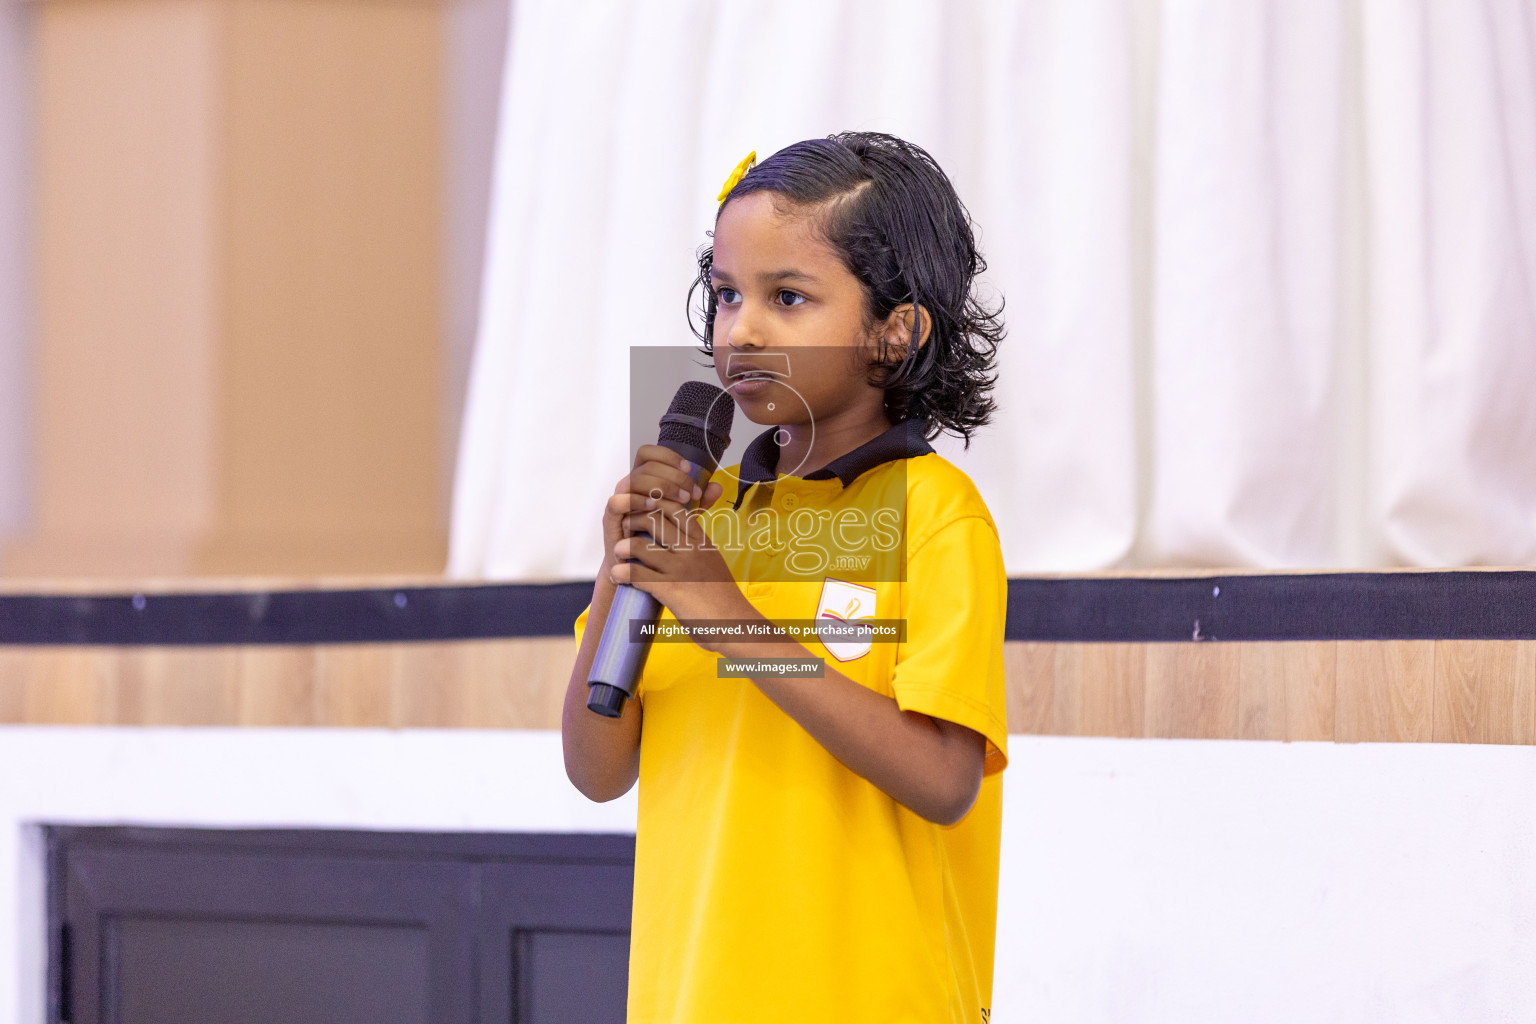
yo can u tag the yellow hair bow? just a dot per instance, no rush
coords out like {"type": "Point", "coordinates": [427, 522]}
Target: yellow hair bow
{"type": "Point", "coordinates": [747, 163]}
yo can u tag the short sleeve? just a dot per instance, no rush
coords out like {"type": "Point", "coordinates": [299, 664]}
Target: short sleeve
{"type": "Point", "coordinates": [955, 603]}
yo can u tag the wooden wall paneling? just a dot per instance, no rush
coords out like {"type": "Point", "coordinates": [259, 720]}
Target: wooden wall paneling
{"type": "Point", "coordinates": [520, 684]}
{"type": "Point", "coordinates": [15, 668]}
{"type": "Point", "coordinates": [1524, 711]}
{"type": "Point", "coordinates": [1311, 690]}
{"type": "Point", "coordinates": [1385, 691]}
{"type": "Point", "coordinates": [1192, 690]}
{"type": "Point", "coordinates": [1286, 691]}
{"type": "Point", "coordinates": [1261, 691]}
{"type": "Point", "coordinates": [353, 685]}
{"type": "Point", "coordinates": [71, 685]}
{"type": "Point", "coordinates": [1031, 673]}
{"type": "Point", "coordinates": [429, 686]}
{"type": "Point", "coordinates": [277, 686]}
{"type": "Point", "coordinates": [127, 674]}
{"type": "Point", "coordinates": [175, 686]}
{"type": "Point", "coordinates": [1458, 677]}
{"type": "Point", "coordinates": [1478, 692]}
{"type": "Point", "coordinates": [1100, 690]}
{"type": "Point", "coordinates": [498, 684]}
{"type": "Point", "coordinates": [488, 702]}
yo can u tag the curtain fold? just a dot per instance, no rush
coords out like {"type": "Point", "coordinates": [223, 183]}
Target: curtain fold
{"type": "Point", "coordinates": [1270, 267]}
{"type": "Point", "coordinates": [1450, 127]}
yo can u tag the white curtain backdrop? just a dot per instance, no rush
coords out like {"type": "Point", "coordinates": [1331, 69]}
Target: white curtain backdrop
{"type": "Point", "coordinates": [1270, 265]}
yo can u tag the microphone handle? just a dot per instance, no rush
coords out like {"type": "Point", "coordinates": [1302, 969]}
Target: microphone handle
{"type": "Point", "coordinates": [619, 660]}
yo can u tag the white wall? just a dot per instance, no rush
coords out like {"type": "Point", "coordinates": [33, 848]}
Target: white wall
{"type": "Point", "coordinates": [1144, 881]}
{"type": "Point", "coordinates": [1193, 881]}
{"type": "Point", "coordinates": [448, 781]}
{"type": "Point", "coordinates": [15, 26]}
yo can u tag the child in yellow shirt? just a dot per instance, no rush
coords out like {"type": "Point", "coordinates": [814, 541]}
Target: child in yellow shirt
{"type": "Point", "coordinates": [818, 849]}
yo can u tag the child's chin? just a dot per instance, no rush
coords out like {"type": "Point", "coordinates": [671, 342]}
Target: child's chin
{"type": "Point", "coordinates": [759, 413]}
{"type": "Point", "coordinates": [769, 403]}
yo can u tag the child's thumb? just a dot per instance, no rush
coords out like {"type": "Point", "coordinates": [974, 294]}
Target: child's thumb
{"type": "Point", "coordinates": [711, 495]}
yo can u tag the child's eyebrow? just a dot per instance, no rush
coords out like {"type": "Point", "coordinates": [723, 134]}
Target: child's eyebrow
{"type": "Point", "coordinates": [775, 276]}
{"type": "Point", "coordinates": [790, 275]}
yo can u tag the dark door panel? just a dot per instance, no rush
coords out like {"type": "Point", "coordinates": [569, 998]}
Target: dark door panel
{"type": "Point", "coordinates": [170, 971]}
{"type": "Point", "coordinates": [166, 926]}
{"type": "Point", "coordinates": [555, 943]}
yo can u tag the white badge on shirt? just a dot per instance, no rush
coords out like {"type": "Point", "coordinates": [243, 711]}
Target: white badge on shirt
{"type": "Point", "coordinates": [844, 602]}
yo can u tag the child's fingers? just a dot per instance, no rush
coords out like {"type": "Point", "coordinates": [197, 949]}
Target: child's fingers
{"type": "Point", "coordinates": [640, 512]}
{"type": "Point", "coordinates": [662, 490]}
{"type": "Point", "coordinates": [628, 503]}
{"type": "Point", "coordinates": [635, 574]}
{"type": "Point", "coordinates": [661, 525]}
{"type": "Point", "coordinates": [667, 482]}
{"type": "Point", "coordinates": [657, 453]}
{"type": "Point", "coordinates": [643, 498]}
{"type": "Point", "coordinates": [640, 550]}
{"type": "Point", "coordinates": [661, 468]}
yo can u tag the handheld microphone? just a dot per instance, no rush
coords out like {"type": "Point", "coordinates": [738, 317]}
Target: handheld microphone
{"type": "Point", "coordinates": [697, 426]}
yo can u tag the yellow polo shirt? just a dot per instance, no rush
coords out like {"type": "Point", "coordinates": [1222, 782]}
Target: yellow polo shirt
{"type": "Point", "coordinates": [772, 884]}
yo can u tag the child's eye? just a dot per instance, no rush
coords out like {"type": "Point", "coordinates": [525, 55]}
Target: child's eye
{"type": "Point", "coordinates": [789, 298]}
{"type": "Point", "coordinates": [727, 296]}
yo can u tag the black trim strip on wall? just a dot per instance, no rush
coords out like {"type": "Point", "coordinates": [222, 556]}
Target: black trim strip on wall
{"type": "Point", "coordinates": [1323, 606]}
{"type": "Point", "coordinates": [296, 616]}
{"type": "Point", "coordinates": [1454, 605]}
{"type": "Point", "coordinates": [548, 847]}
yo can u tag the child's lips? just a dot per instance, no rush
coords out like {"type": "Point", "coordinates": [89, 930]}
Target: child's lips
{"type": "Point", "coordinates": [751, 385]}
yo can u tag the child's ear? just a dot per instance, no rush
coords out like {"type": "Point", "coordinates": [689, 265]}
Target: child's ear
{"type": "Point", "coordinates": [897, 332]}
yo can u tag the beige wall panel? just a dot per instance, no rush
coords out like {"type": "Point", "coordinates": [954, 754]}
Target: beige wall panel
{"type": "Point", "coordinates": [175, 686]}
{"type": "Point", "coordinates": [1462, 692]}
{"type": "Point", "coordinates": [518, 684]}
{"type": "Point", "coordinates": [429, 686]}
{"type": "Point", "coordinates": [1192, 690]}
{"type": "Point", "coordinates": [332, 366]}
{"type": "Point", "coordinates": [239, 226]}
{"type": "Point", "coordinates": [1100, 690]}
{"type": "Point", "coordinates": [1261, 705]}
{"type": "Point", "coordinates": [353, 685]}
{"type": "Point", "coordinates": [1311, 697]}
{"type": "Point", "coordinates": [1524, 712]}
{"type": "Point", "coordinates": [73, 686]}
{"type": "Point", "coordinates": [15, 671]}
{"type": "Point", "coordinates": [127, 263]}
{"type": "Point", "coordinates": [276, 685]}
{"type": "Point", "coordinates": [1481, 694]}
{"type": "Point", "coordinates": [1385, 691]}
{"type": "Point", "coordinates": [1286, 691]}
{"type": "Point", "coordinates": [1031, 674]}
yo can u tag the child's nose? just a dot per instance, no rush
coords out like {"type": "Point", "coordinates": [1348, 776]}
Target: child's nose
{"type": "Point", "coordinates": [745, 330]}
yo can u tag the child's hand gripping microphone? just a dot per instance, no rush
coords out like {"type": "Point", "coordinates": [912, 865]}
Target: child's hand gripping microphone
{"type": "Point", "coordinates": [697, 426]}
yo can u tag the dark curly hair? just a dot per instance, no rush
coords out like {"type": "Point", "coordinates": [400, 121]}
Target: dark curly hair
{"type": "Point", "coordinates": [889, 211]}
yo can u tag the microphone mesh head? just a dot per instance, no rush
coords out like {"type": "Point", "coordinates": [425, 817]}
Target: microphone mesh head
{"type": "Point", "coordinates": [713, 410]}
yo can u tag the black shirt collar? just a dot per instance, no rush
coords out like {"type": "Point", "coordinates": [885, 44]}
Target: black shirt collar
{"type": "Point", "coordinates": [759, 463]}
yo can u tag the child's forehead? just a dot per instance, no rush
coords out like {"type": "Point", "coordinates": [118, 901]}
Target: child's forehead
{"type": "Point", "coordinates": [760, 230]}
